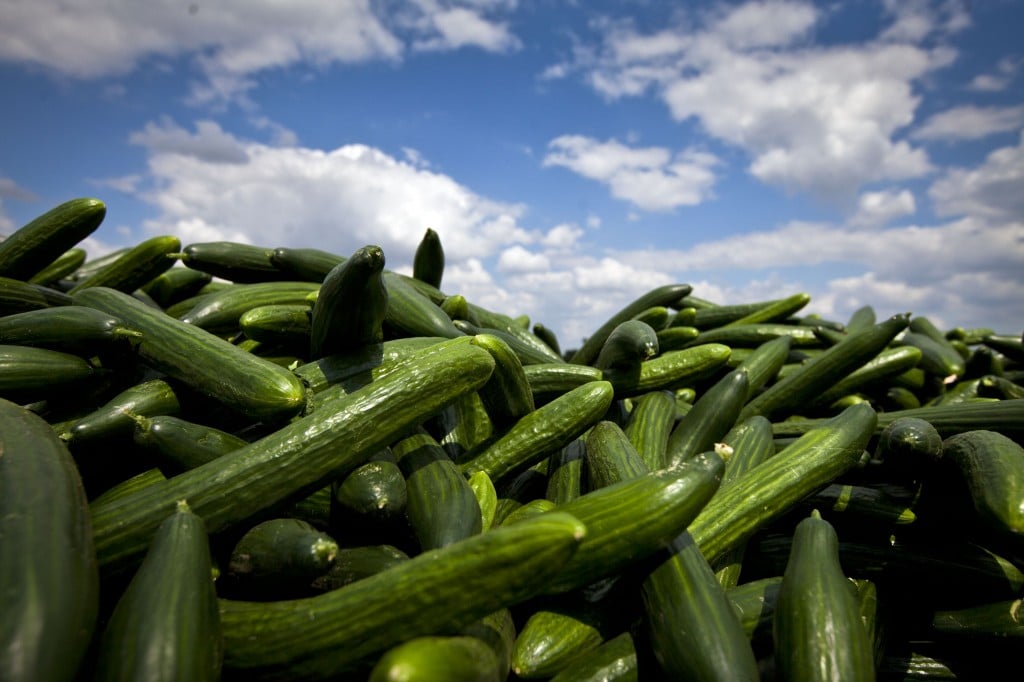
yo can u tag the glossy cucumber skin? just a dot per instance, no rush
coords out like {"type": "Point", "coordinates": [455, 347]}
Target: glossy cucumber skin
{"type": "Point", "coordinates": [28, 373]}
{"type": "Point", "coordinates": [220, 311]}
{"type": "Point", "coordinates": [38, 243]}
{"type": "Point", "coordinates": [117, 415]}
{"type": "Point", "coordinates": [298, 458]}
{"type": "Point", "coordinates": [629, 344]}
{"type": "Point", "coordinates": [50, 584]}
{"type": "Point", "coordinates": [992, 467]}
{"type": "Point", "coordinates": [233, 261]}
{"type": "Point", "coordinates": [135, 267]}
{"type": "Point", "coordinates": [60, 267]}
{"type": "Point", "coordinates": [278, 558]}
{"type": "Point", "coordinates": [17, 296]}
{"type": "Point", "coordinates": [710, 418]}
{"type": "Point", "coordinates": [410, 313]}
{"type": "Point", "coordinates": [455, 658]}
{"type": "Point", "coordinates": [70, 329]}
{"type": "Point", "coordinates": [166, 625]}
{"type": "Point", "coordinates": [180, 445]}
{"type": "Point", "coordinates": [818, 631]}
{"type": "Point", "coordinates": [242, 381]}
{"type": "Point", "coordinates": [668, 371]}
{"type": "Point", "coordinates": [507, 396]}
{"type": "Point", "coordinates": [436, 592]}
{"type": "Point", "coordinates": [351, 305]}
{"type": "Point", "coordinates": [428, 262]}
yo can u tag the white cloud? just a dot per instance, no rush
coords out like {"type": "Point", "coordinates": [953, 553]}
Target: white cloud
{"type": "Point", "coordinates": [878, 208]}
{"type": "Point", "coordinates": [915, 20]}
{"type": "Point", "coordinates": [233, 42]}
{"type": "Point", "coordinates": [562, 237]}
{"type": "Point", "coordinates": [819, 118]}
{"type": "Point", "coordinates": [209, 143]}
{"type": "Point", "coordinates": [992, 190]}
{"type": "Point", "coordinates": [970, 122]}
{"type": "Point", "coordinates": [518, 259]}
{"type": "Point", "coordinates": [1006, 72]}
{"type": "Point", "coordinates": [651, 178]}
{"type": "Point", "coordinates": [9, 189]}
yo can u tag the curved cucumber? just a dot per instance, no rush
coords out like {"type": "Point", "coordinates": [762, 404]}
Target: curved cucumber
{"type": "Point", "coordinates": [35, 245]}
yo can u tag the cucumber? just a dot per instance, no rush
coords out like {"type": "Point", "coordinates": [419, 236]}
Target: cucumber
{"type": "Point", "coordinates": [298, 458]}
{"type": "Point", "coordinates": [712, 316]}
{"type": "Point", "coordinates": [529, 352]}
{"type": "Point", "coordinates": [555, 634]}
{"type": "Point", "coordinates": [613, 661]}
{"type": "Point", "coordinates": [992, 467]}
{"type": "Point", "coordinates": [233, 261]}
{"type": "Point", "coordinates": [910, 448]}
{"type": "Point", "coordinates": [287, 326]}
{"type": "Point", "coordinates": [307, 265]}
{"type": "Point", "coordinates": [131, 485]}
{"type": "Point", "coordinates": [428, 262]}
{"type": "Point", "coordinates": [40, 242]}
{"type": "Point", "coordinates": [117, 416]}
{"type": "Point", "coordinates": [61, 267]}
{"type": "Point", "coordinates": [355, 563]}
{"type": "Point", "coordinates": [219, 312]}
{"type": "Point", "coordinates": [212, 366]}
{"type": "Point", "coordinates": [166, 625]}
{"type": "Point", "coordinates": [821, 372]}
{"type": "Point", "coordinates": [176, 284]}
{"type": "Point", "coordinates": [669, 371]}
{"type": "Point", "coordinates": [28, 373]}
{"type": "Point", "coordinates": [354, 368]}
{"type": "Point", "coordinates": [18, 297]}
{"type": "Point", "coordinates": [650, 425]}
{"type": "Point", "coordinates": [70, 329]}
{"type": "Point", "coordinates": [660, 296]}
{"type": "Point", "coordinates": [991, 621]}
{"type": "Point", "coordinates": [676, 338]}
{"type": "Point", "coordinates": [439, 591]}
{"type": "Point", "coordinates": [410, 313]}
{"type": "Point", "coordinates": [279, 558]}
{"type": "Point", "coordinates": [610, 456]}
{"type": "Point", "coordinates": [937, 357]}
{"type": "Point", "coordinates": [711, 417]}
{"type": "Point", "coordinates": [548, 337]}
{"type": "Point", "coordinates": [350, 308]}
{"type": "Point", "coordinates": [888, 363]}
{"type": "Point", "coordinates": [179, 445]}
{"type": "Point", "coordinates": [753, 335]}
{"type": "Point", "coordinates": [441, 506]}
{"type": "Point", "coordinates": [370, 498]}
{"type": "Point", "coordinates": [774, 311]}
{"type": "Point", "coordinates": [819, 634]}
{"type": "Point", "coordinates": [766, 492]}
{"type": "Point", "coordinates": [565, 467]}
{"type": "Point", "coordinates": [486, 498]}
{"type": "Point", "coordinates": [542, 431]}
{"type": "Point", "coordinates": [550, 379]}
{"type": "Point", "coordinates": [629, 344]}
{"type": "Point", "coordinates": [49, 585]}
{"type": "Point", "coordinates": [861, 318]}
{"type": "Point", "coordinates": [135, 267]}
{"type": "Point", "coordinates": [507, 396]}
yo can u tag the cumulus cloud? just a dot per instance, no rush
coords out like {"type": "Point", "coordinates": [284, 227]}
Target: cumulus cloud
{"type": "Point", "coordinates": [209, 143]}
{"type": "Point", "coordinates": [825, 119]}
{"type": "Point", "coordinates": [9, 189]}
{"type": "Point", "coordinates": [518, 259]}
{"type": "Point", "coordinates": [651, 178]}
{"type": "Point", "coordinates": [1004, 75]}
{"type": "Point", "coordinates": [231, 43]}
{"type": "Point", "coordinates": [992, 190]}
{"type": "Point", "coordinates": [971, 122]}
{"type": "Point", "coordinates": [878, 208]}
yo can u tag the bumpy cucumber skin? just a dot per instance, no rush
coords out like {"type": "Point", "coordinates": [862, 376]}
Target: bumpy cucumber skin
{"type": "Point", "coordinates": [249, 384]}
{"type": "Point", "coordinates": [50, 584]}
{"type": "Point", "coordinates": [166, 625]}
{"type": "Point", "coordinates": [298, 458]}
{"type": "Point", "coordinates": [992, 467]}
{"type": "Point", "coordinates": [442, 590]}
{"type": "Point", "coordinates": [38, 243]}
{"type": "Point", "coordinates": [350, 308]}
{"type": "Point", "coordinates": [818, 631]}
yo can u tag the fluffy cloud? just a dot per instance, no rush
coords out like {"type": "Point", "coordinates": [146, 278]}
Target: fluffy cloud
{"type": "Point", "coordinates": [209, 143]}
{"type": "Point", "coordinates": [879, 208]}
{"type": "Point", "coordinates": [992, 190]}
{"type": "Point", "coordinates": [1005, 73]}
{"type": "Point", "coordinates": [823, 119]}
{"type": "Point", "coordinates": [233, 42]}
{"type": "Point", "coordinates": [518, 259]}
{"type": "Point", "coordinates": [651, 178]}
{"type": "Point", "coordinates": [970, 122]}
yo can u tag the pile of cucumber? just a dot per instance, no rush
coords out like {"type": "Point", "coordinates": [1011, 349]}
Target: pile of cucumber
{"type": "Point", "coordinates": [223, 461]}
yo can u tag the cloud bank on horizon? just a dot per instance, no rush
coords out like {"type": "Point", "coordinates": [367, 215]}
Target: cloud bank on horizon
{"type": "Point", "coordinates": [867, 153]}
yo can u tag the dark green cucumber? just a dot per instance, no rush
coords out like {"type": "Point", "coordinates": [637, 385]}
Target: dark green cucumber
{"type": "Point", "coordinates": [774, 311]}
{"type": "Point", "coordinates": [279, 558]}
{"type": "Point", "coordinates": [529, 353]}
{"type": "Point", "coordinates": [565, 469]}
{"type": "Point", "coordinates": [18, 297]}
{"type": "Point", "coordinates": [753, 335]}
{"type": "Point", "coordinates": [179, 445]}
{"type": "Point", "coordinates": [35, 245]}
{"type": "Point", "coordinates": [358, 366]}
{"type": "Point", "coordinates": [464, 426]}
{"type": "Point", "coordinates": [457, 658]}
{"type": "Point", "coordinates": [93, 265]}
{"type": "Point", "coordinates": [439, 591]}
{"type": "Point", "coordinates": [166, 625]}
{"type": "Point", "coordinates": [991, 621]}
{"type": "Point", "coordinates": [540, 432]}
{"type": "Point", "coordinates": [498, 631]}
{"type": "Point", "coordinates": [660, 296]}
{"type": "Point", "coordinates": [50, 586]}
{"type": "Point", "coordinates": [711, 417]}
{"type": "Point", "coordinates": [242, 381]}
{"type": "Point", "coordinates": [656, 317]}
{"type": "Point", "coordinates": [695, 634]}
{"type": "Point", "coordinates": [507, 396]}
{"type": "Point", "coordinates": [410, 313]}
{"type": "Point", "coordinates": [910, 448]}
{"type": "Point", "coordinates": [669, 371]}
{"type": "Point", "coordinates": [865, 504]}
{"type": "Point", "coordinates": [613, 661]}
{"type": "Point", "coordinates": [548, 336]}
{"type": "Point", "coordinates": [428, 262]}
{"type": "Point", "coordinates": [117, 416]}
{"type": "Point", "coordinates": [819, 634]}
{"type": "Point", "coordinates": [131, 485]}
{"type": "Point", "coordinates": [769, 490]}
{"type": "Point", "coordinates": [70, 329]}
{"type": "Point", "coordinates": [176, 284]}
{"type": "Point", "coordinates": [629, 344]}
{"type": "Point", "coordinates": [557, 633]}
{"type": "Point", "coordinates": [298, 458]}
{"type": "Point", "coordinates": [650, 424]}
{"type": "Point", "coordinates": [220, 311]}
{"type": "Point", "coordinates": [528, 510]}
{"type": "Point", "coordinates": [233, 261]}
{"type": "Point", "coordinates": [992, 467]}
{"type": "Point", "coordinates": [610, 456]}
{"type": "Point", "coordinates": [456, 307]}
{"type": "Point", "coordinates": [307, 265]}
{"type": "Point", "coordinates": [28, 373]}
{"type": "Point", "coordinates": [486, 498]}
{"type": "Point", "coordinates": [440, 506]}
{"type": "Point", "coordinates": [676, 338]}
{"type": "Point", "coordinates": [939, 358]}
{"type": "Point", "coordinates": [631, 520]}
{"type": "Point", "coordinates": [351, 305]}
{"type": "Point", "coordinates": [861, 318]}
{"type": "Point", "coordinates": [889, 362]}
{"type": "Point", "coordinates": [550, 379]}
{"type": "Point", "coordinates": [819, 373]}
{"type": "Point", "coordinates": [711, 316]}
{"type": "Point", "coordinates": [135, 267]}
{"type": "Point", "coordinates": [282, 325]}
{"type": "Point", "coordinates": [61, 267]}
{"type": "Point", "coordinates": [369, 498]}
{"type": "Point", "coordinates": [355, 563]}
{"type": "Point", "coordinates": [754, 603]}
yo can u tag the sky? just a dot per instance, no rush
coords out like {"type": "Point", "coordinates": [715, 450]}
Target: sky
{"type": "Point", "coordinates": [571, 155]}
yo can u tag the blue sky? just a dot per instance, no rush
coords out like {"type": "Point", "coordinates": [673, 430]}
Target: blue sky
{"type": "Point", "coordinates": [571, 155]}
